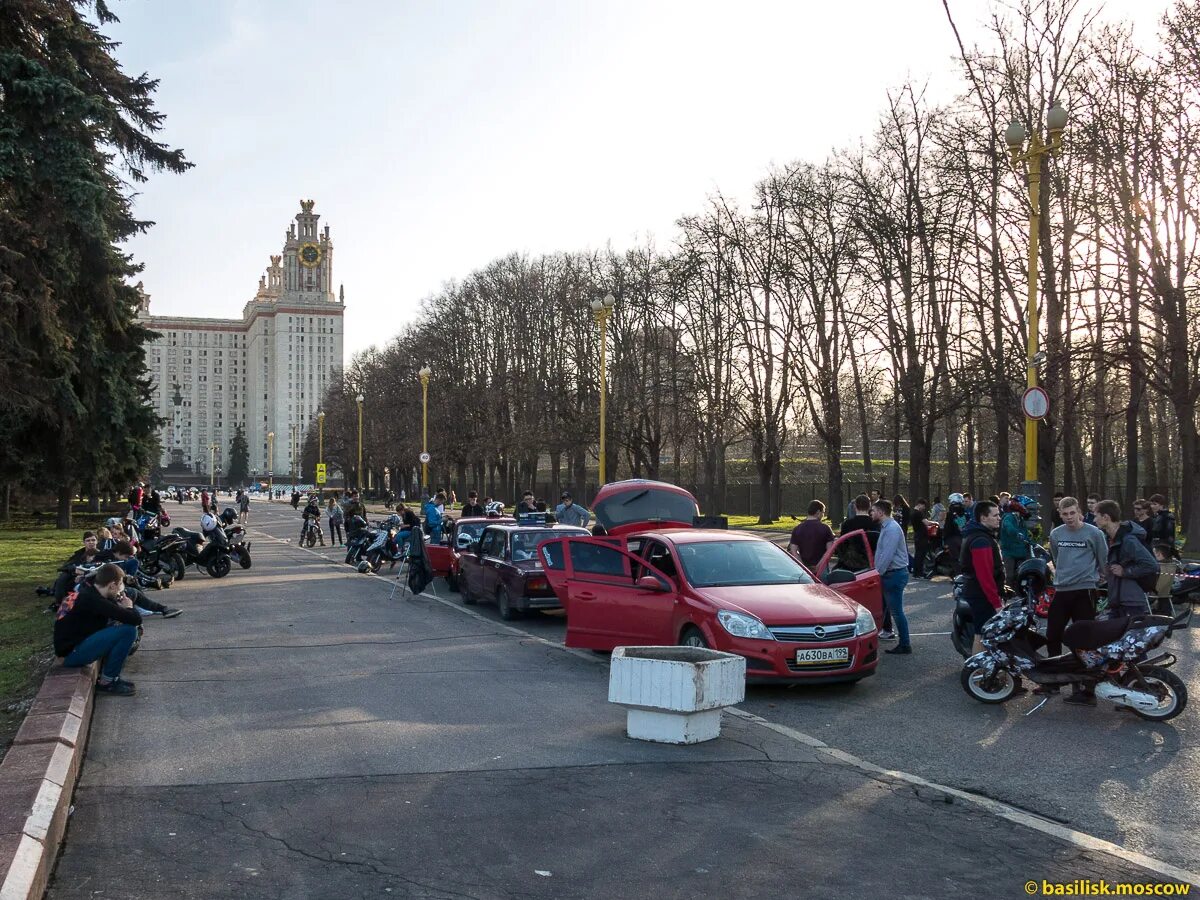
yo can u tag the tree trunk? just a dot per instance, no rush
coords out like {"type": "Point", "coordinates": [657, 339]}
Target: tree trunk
{"type": "Point", "coordinates": [954, 462]}
{"type": "Point", "coordinates": [66, 493]}
{"type": "Point", "coordinates": [1189, 445]}
{"type": "Point", "coordinates": [833, 468]}
{"type": "Point", "coordinates": [971, 485]}
{"type": "Point", "coordinates": [1148, 447]}
{"type": "Point", "coordinates": [5, 501]}
{"type": "Point", "coordinates": [861, 402]}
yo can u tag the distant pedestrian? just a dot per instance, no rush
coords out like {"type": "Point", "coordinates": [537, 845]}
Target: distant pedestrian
{"type": "Point", "coordinates": [1132, 570]}
{"type": "Point", "coordinates": [937, 512]}
{"type": "Point", "coordinates": [336, 518]}
{"type": "Point", "coordinates": [891, 561]}
{"type": "Point", "coordinates": [204, 501]}
{"type": "Point", "coordinates": [1055, 518]}
{"type": "Point", "coordinates": [920, 521]}
{"type": "Point", "coordinates": [568, 512]}
{"type": "Point", "coordinates": [295, 499]}
{"type": "Point", "coordinates": [1015, 543]}
{"type": "Point", "coordinates": [1090, 516]}
{"type": "Point", "coordinates": [812, 538]}
{"type": "Point", "coordinates": [528, 504]}
{"type": "Point", "coordinates": [1162, 528]}
{"type": "Point", "coordinates": [980, 562]}
{"type": "Point", "coordinates": [243, 502]}
{"type": "Point", "coordinates": [434, 517]}
{"type": "Point", "coordinates": [473, 508]}
{"type": "Point", "coordinates": [901, 512]}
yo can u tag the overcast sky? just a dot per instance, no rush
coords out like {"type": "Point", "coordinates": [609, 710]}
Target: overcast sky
{"type": "Point", "coordinates": [436, 136]}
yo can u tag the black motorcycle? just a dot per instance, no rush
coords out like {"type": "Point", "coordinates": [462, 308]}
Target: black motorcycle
{"type": "Point", "coordinates": [210, 556]}
{"type": "Point", "coordinates": [239, 547]}
{"type": "Point", "coordinates": [1114, 657]}
{"type": "Point", "coordinates": [162, 554]}
{"type": "Point", "coordinates": [359, 536]}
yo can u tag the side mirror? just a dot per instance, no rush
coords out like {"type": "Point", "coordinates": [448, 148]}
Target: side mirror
{"type": "Point", "coordinates": [651, 583]}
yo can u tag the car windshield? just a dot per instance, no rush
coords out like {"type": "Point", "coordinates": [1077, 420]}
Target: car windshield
{"type": "Point", "coordinates": [472, 529]}
{"type": "Point", "coordinates": [524, 543]}
{"type": "Point", "coordinates": [645, 505]}
{"type": "Point", "coordinates": [730, 563]}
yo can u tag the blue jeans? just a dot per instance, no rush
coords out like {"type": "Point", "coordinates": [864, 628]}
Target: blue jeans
{"type": "Point", "coordinates": [893, 584]}
{"type": "Point", "coordinates": [110, 644]}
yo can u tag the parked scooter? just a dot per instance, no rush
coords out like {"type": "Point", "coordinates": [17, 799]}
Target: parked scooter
{"type": "Point", "coordinates": [239, 547]}
{"type": "Point", "coordinates": [389, 546]}
{"type": "Point", "coordinates": [359, 536]}
{"type": "Point", "coordinates": [162, 553]}
{"type": "Point", "coordinates": [1115, 657]}
{"type": "Point", "coordinates": [1039, 593]}
{"type": "Point", "coordinates": [210, 557]}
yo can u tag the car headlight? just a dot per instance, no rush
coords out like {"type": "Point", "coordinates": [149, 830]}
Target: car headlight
{"type": "Point", "coordinates": [743, 626]}
{"type": "Point", "coordinates": [864, 622]}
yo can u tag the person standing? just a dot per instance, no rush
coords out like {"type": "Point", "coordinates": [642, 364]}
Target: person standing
{"type": "Point", "coordinates": [891, 560]}
{"type": "Point", "coordinates": [1080, 554]}
{"type": "Point", "coordinates": [1131, 569]}
{"type": "Point", "coordinates": [1015, 543]}
{"type": "Point", "coordinates": [902, 514]}
{"type": "Point", "coordinates": [473, 508]}
{"type": "Point", "coordinates": [433, 517]}
{"type": "Point", "coordinates": [979, 560]}
{"type": "Point", "coordinates": [243, 502]}
{"type": "Point", "coordinates": [863, 520]}
{"type": "Point", "coordinates": [528, 504]}
{"type": "Point", "coordinates": [920, 520]}
{"type": "Point", "coordinates": [336, 518]}
{"type": "Point", "coordinates": [568, 512]}
{"type": "Point", "coordinates": [204, 500]}
{"type": "Point", "coordinates": [938, 511]}
{"type": "Point", "coordinates": [1090, 516]}
{"type": "Point", "coordinates": [1162, 525]}
{"type": "Point", "coordinates": [811, 538]}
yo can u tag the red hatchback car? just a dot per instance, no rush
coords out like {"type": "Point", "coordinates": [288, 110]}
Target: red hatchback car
{"type": "Point", "coordinates": [731, 591]}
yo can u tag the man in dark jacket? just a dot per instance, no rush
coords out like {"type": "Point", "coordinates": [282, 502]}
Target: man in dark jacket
{"type": "Point", "coordinates": [82, 633]}
{"type": "Point", "coordinates": [1162, 521]}
{"type": "Point", "coordinates": [980, 561]}
{"type": "Point", "coordinates": [473, 507]}
{"type": "Point", "coordinates": [1130, 564]}
{"type": "Point", "coordinates": [86, 555]}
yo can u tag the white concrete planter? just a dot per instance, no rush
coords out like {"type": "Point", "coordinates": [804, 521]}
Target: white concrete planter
{"type": "Point", "coordinates": [674, 695]}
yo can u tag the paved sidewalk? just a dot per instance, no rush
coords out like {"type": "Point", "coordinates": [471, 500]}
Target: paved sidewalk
{"type": "Point", "coordinates": [299, 734]}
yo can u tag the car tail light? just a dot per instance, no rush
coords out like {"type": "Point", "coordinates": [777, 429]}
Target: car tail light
{"type": "Point", "coordinates": [537, 584]}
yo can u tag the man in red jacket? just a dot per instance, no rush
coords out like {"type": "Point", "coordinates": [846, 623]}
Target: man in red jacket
{"type": "Point", "coordinates": [980, 562]}
{"type": "Point", "coordinates": [82, 633]}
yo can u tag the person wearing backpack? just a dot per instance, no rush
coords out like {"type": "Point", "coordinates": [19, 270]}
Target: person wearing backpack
{"type": "Point", "coordinates": [1132, 569]}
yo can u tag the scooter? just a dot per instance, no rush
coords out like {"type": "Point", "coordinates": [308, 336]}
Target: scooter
{"type": "Point", "coordinates": [1115, 657]}
{"type": "Point", "coordinates": [389, 546]}
{"type": "Point", "coordinates": [359, 536]}
{"type": "Point", "coordinates": [239, 547]}
{"type": "Point", "coordinates": [962, 625]}
{"type": "Point", "coordinates": [162, 553]}
{"type": "Point", "coordinates": [210, 557]}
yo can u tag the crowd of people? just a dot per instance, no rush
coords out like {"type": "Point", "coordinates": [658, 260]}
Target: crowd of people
{"type": "Point", "coordinates": [1131, 560]}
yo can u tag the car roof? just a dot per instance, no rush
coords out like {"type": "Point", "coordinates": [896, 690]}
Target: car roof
{"type": "Point", "coordinates": [510, 526]}
{"type": "Point", "coordinates": [698, 535]}
{"type": "Point", "coordinates": [495, 520]}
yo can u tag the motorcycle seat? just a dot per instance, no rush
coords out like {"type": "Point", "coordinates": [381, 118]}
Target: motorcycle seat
{"type": "Point", "coordinates": [1093, 633]}
{"type": "Point", "coordinates": [190, 535]}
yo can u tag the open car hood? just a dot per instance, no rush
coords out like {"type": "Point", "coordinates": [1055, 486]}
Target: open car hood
{"type": "Point", "coordinates": [628, 507]}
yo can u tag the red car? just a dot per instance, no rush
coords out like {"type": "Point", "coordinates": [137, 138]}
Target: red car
{"type": "Point", "coordinates": [503, 567]}
{"type": "Point", "coordinates": [732, 591]}
{"type": "Point", "coordinates": [462, 535]}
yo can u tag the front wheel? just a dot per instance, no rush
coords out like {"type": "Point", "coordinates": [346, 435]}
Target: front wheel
{"type": "Point", "coordinates": [1171, 693]}
{"type": "Point", "coordinates": [244, 558]}
{"type": "Point", "coordinates": [693, 637]}
{"type": "Point", "coordinates": [374, 560]}
{"type": "Point", "coordinates": [310, 538]}
{"type": "Point", "coordinates": [504, 604]}
{"type": "Point", "coordinates": [177, 563]}
{"type": "Point", "coordinates": [995, 688]}
{"type": "Point", "coordinates": [219, 567]}
{"type": "Point", "coordinates": [962, 635]}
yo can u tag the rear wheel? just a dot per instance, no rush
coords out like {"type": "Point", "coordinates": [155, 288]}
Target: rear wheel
{"type": "Point", "coordinates": [244, 558]}
{"type": "Point", "coordinates": [176, 564]}
{"type": "Point", "coordinates": [995, 688]}
{"type": "Point", "coordinates": [219, 567]}
{"type": "Point", "coordinates": [468, 598]}
{"type": "Point", "coordinates": [1170, 690]}
{"type": "Point", "coordinates": [452, 582]}
{"type": "Point", "coordinates": [504, 604]}
{"type": "Point", "coordinates": [310, 538]}
{"type": "Point", "coordinates": [374, 560]}
{"type": "Point", "coordinates": [692, 637]}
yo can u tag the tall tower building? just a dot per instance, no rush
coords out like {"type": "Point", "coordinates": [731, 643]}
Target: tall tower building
{"type": "Point", "coordinates": [265, 372]}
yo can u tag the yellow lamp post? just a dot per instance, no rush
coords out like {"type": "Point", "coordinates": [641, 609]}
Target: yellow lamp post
{"type": "Point", "coordinates": [321, 448]}
{"type": "Point", "coordinates": [358, 472]}
{"type": "Point", "coordinates": [1034, 404]}
{"type": "Point", "coordinates": [295, 441]}
{"type": "Point", "coordinates": [212, 466]}
{"type": "Point", "coordinates": [270, 466]}
{"type": "Point", "coordinates": [601, 309]}
{"type": "Point", "coordinates": [424, 374]}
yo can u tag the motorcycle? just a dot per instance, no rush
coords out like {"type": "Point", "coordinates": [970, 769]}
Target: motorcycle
{"type": "Point", "coordinates": [162, 554]}
{"type": "Point", "coordinates": [1039, 596]}
{"type": "Point", "coordinates": [310, 532]}
{"type": "Point", "coordinates": [212, 558]}
{"type": "Point", "coordinates": [239, 547]}
{"type": "Point", "coordinates": [359, 536]}
{"type": "Point", "coordinates": [1115, 657]}
{"type": "Point", "coordinates": [389, 546]}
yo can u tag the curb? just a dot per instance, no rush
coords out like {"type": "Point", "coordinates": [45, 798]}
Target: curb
{"type": "Point", "coordinates": [37, 780]}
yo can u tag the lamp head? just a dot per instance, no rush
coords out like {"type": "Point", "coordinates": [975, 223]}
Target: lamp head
{"type": "Point", "coordinates": [596, 305]}
{"type": "Point", "coordinates": [1014, 136]}
{"type": "Point", "coordinates": [1056, 117]}
{"type": "Point", "coordinates": [609, 301]}
{"type": "Point", "coordinates": [360, 398]}
{"type": "Point", "coordinates": [321, 414]}
{"type": "Point", "coordinates": [271, 435]}
{"type": "Point", "coordinates": [425, 371]}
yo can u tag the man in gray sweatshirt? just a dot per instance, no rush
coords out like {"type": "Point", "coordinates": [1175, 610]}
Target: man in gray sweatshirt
{"type": "Point", "coordinates": [1080, 553]}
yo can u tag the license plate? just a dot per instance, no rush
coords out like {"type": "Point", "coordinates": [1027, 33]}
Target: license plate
{"type": "Point", "coordinates": [822, 655]}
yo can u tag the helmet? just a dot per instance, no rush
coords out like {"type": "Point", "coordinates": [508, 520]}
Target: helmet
{"type": "Point", "coordinates": [208, 522]}
{"type": "Point", "coordinates": [228, 516]}
{"type": "Point", "coordinates": [956, 497]}
{"type": "Point", "coordinates": [1033, 576]}
{"type": "Point", "coordinates": [1018, 508]}
{"type": "Point", "coordinates": [1025, 500]}
{"type": "Point", "coordinates": [112, 522]}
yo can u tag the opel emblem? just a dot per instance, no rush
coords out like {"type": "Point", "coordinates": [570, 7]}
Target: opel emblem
{"type": "Point", "coordinates": [819, 631]}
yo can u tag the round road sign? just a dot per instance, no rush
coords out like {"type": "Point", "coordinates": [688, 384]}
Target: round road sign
{"type": "Point", "coordinates": [1035, 403]}
{"type": "Point", "coordinates": [425, 457]}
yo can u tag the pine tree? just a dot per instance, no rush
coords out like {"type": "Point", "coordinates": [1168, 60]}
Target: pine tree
{"type": "Point", "coordinates": [76, 131]}
{"type": "Point", "coordinates": [239, 458]}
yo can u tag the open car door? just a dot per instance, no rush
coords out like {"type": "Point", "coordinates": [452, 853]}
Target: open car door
{"type": "Point", "coordinates": [611, 597]}
{"type": "Point", "coordinates": [441, 556]}
{"type": "Point", "coordinates": [848, 567]}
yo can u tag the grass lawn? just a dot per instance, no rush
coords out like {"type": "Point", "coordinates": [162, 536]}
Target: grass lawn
{"type": "Point", "coordinates": [787, 523]}
{"type": "Point", "coordinates": [29, 556]}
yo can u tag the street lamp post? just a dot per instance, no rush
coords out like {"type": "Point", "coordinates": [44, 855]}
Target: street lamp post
{"type": "Point", "coordinates": [295, 440]}
{"type": "Point", "coordinates": [601, 309]}
{"type": "Point", "coordinates": [358, 471]}
{"type": "Point", "coordinates": [1031, 155]}
{"type": "Point", "coordinates": [212, 465]}
{"type": "Point", "coordinates": [321, 449]}
{"type": "Point", "coordinates": [424, 374]}
{"type": "Point", "coordinates": [270, 466]}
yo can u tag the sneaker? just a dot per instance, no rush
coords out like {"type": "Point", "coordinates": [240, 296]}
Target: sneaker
{"type": "Point", "coordinates": [887, 635]}
{"type": "Point", "coordinates": [171, 612]}
{"type": "Point", "coordinates": [1046, 690]}
{"type": "Point", "coordinates": [116, 687]}
{"type": "Point", "coordinates": [903, 651]}
{"type": "Point", "coordinates": [1081, 699]}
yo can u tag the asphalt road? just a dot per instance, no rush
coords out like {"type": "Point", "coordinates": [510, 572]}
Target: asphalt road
{"type": "Point", "coordinates": [301, 733]}
{"type": "Point", "coordinates": [1098, 770]}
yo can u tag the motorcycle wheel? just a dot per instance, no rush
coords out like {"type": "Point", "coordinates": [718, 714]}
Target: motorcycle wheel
{"type": "Point", "coordinates": [244, 559]}
{"type": "Point", "coordinates": [310, 539]}
{"type": "Point", "coordinates": [374, 561]}
{"type": "Point", "coordinates": [219, 567]}
{"type": "Point", "coordinates": [997, 688]}
{"type": "Point", "coordinates": [962, 636]}
{"type": "Point", "coordinates": [176, 562]}
{"type": "Point", "coordinates": [1171, 691]}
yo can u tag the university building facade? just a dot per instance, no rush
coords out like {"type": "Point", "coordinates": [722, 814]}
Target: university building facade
{"type": "Point", "coordinates": [265, 372]}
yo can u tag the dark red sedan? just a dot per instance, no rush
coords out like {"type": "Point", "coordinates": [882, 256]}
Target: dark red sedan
{"type": "Point", "coordinates": [463, 533]}
{"type": "Point", "coordinates": [503, 567]}
{"type": "Point", "coordinates": [732, 591]}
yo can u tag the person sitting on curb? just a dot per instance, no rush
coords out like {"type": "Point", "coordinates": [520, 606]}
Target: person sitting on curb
{"type": "Point", "coordinates": [123, 551]}
{"type": "Point", "coordinates": [568, 512]}
{"type": "Point", "coordinates": [82, 633]}
{"type": "Point", "coordinates": [86, 555]}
